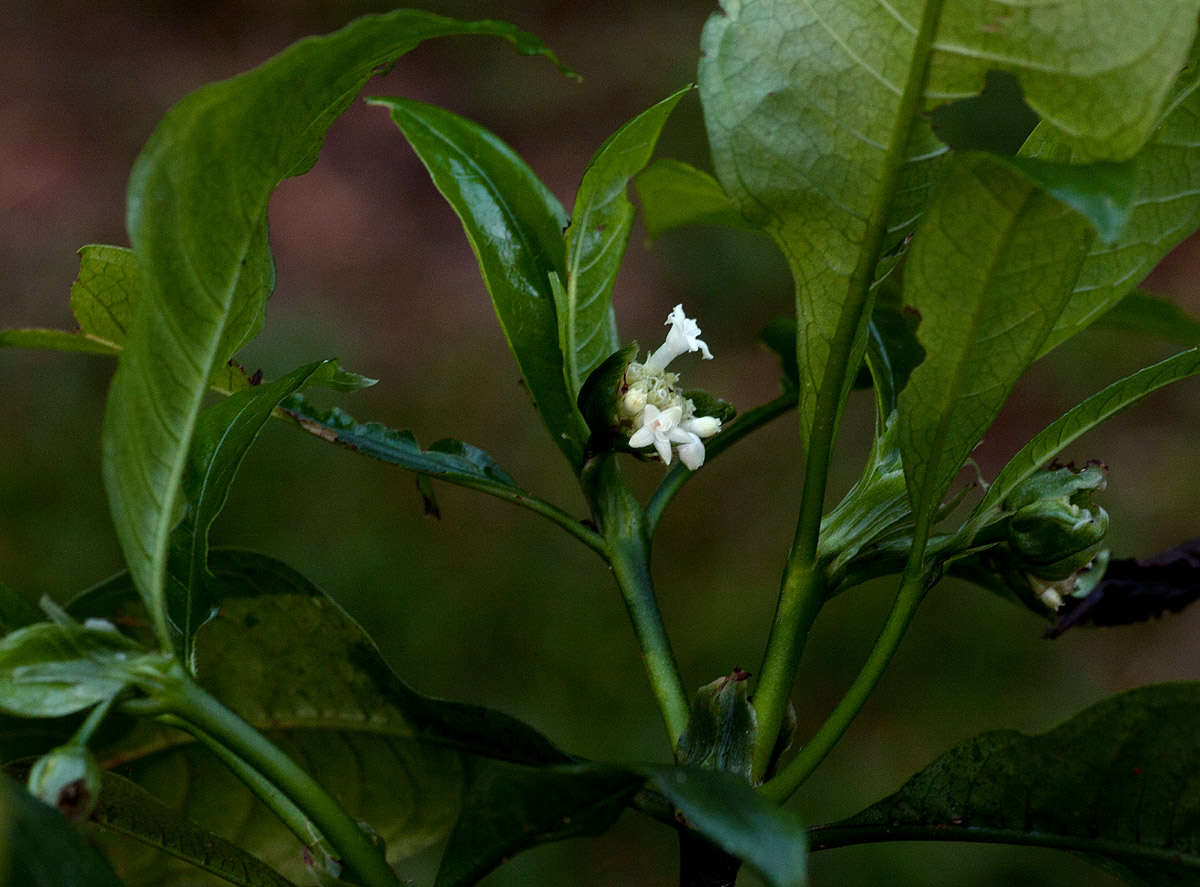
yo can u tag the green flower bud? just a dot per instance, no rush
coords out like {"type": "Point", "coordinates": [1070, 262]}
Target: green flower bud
{"type": "Point", "coordinates": [1053, 538]}
{"type": "Point", "coordinates": [67, 778]}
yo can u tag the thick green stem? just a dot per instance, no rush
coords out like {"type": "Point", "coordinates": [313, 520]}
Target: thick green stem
{"type": "Point", "coordinates": [362, 859]}
{"type": "Point", "coordinates": [908, 598]}
{"type": "Point", "coordinates": [628, 550]}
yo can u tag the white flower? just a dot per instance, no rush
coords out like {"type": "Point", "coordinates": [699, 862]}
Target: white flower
{"type": "Point", "coordinates": [682, 337]}
{"type": "Point", "coordinates": [659, 428]}
{"type": "Point", "coordinates": [701, 426]}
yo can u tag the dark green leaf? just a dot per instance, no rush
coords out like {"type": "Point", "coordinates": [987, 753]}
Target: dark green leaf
{"type": "Point", "coordinates": [600, 396]}
{"type": "Point", "coordinates": [449, 460]}
{"type": "Point", "coordinates": [996, 120]}
{"type": "Point", "coordinates": [596, 242]}
{"type": "Point", "coordinates": [675, 194]}
{"type": "Point", "coordinates": [780, 336]}
{"type": "Point", "coordinates": [1103, 193]}
{"type": "Point", "coordinates": [720, 733]}
{"type": "Point", "coordinates": [515, 227]}
{"type": "Point", "coordinates": [38, 848]}
{"type": "Point", "coordinates": [733, 816]}
{"type": "Point", "coordinates": [197, 221]}
{"type": "Point", "coordinates": [509, 808]}
{"type": "Point", "coordinates": [893, 350]}
{"type": "Point", "coordinates": [989, 270]}
{"type": "Point", "coordinates": [1150, 315]}
{"type": "Point", "coordinates": [128, 811]}
{"type": "Point", "coordinates": [224, 434]}
{"type": "Point", "coordinates": [1117, 784]}
{"type": "Point", "coordinates": [293, 664]}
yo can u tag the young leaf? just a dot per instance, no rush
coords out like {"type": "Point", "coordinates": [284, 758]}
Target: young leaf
{"type": "Point", "coordinates": [126, 810]}
{"type": "Point", "coordinates": [515, 227]}
{"type": "Point", "coordinates": [105, 294]}
{"type": "Point", "coordinates": [509, 808]}
{"type": "Point", "coordinates": [675, 194]}
{"type": "Point", "coordinates": [39, 848]}
{"type": "Point", "coordinates": [596, 242]}
{"type": "Point", "coordinates": [1116, 784]}
{"type": "Point", "coordinates": [990, 268]}
{"type": "Point", "coordinates": [1102, 405]}
{"type": "Point", "coordinates": [1150, 315]}
{"type": "Point", "coordinates": [196, 217]}
{"type": "Point", "coordinates": [727, 811]}
{"type": "Point", "coordinates": [224, 434]}
{"type": "Point", "coordinates": [293, 664]}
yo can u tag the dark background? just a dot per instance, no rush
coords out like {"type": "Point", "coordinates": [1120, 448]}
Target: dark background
{"type": "Point", "coordinates": [491, 604]}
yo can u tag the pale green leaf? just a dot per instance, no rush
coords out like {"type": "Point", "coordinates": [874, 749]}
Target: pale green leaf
{"type": "Point", "coordinates": [197, 221]}
{"type": "Point", "coordinates": [514, 225]}
{"type": "Point", "coordinates": [675, 194]}
{"type": "Point", "coordinates": [105, 294]}
{"type": "Point", "coordinates": [596, 240]}
{"type": "Point", "coordinates": [989, 270]}
{"type": "Point", "coordinates": [1079, 420]}
{"type": "Point", "coordinates": [55, 340]}
{"type": "Point", "coordinates": [1116, 784]}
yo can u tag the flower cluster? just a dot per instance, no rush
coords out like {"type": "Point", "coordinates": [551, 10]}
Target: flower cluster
{"type": "Point", "coordinates": [653, 405]}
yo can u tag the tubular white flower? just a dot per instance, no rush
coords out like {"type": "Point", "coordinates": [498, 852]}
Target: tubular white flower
{"type": "Point", "coordinates": [702, 426]}
{"type": "Point", "coordinates": [682, 337]}
{"type": "Point", "coordinates": [657, 428]}
{"type": "Point", "coordinates": [691, 451]}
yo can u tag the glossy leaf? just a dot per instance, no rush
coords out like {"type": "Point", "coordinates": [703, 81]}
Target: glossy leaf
{"type": "Point", "coordinates": [514, 225]}
{"type": "Point", "coordinates": [675, 194]}
{"type": "Point", "coordinates": [224, 434]}
{"type": "Point", "coordinates": [1149, 315]}
{"type": "Point", "coordinates": [293, 664]}
{"type": "Point", "coordinates": [812, 115]}
{"type": "Point", "coordinates": [1116, 784]}
{"type": "Point", "coordinates": [39, 848]}
{"type": "Point", "coordinates": [596, 240]}
{"type": "Point", "coordinates": [197, 222]}
{"type": "Point", "coordinates": [509, 808]}
{"type": "Point", "coordinates": [990, 268]}
{"type": "Point", "coordinates": [1102, 405]}
{"type": "Point", "coordinates": [733, 816]}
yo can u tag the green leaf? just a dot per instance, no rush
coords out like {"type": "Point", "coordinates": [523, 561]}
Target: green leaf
{"type": "Point", "coordinates": [127, 810]}
{"type": "Point", "coordinates": [1116, 784]}
{"type": "Point", "coordinates": [675, 194]}
{"type": "Point", "coordinates": [1166, 209]}
{"type": "Point", "coordinates": [224, 434]}
{"type": "Point", "coordinates": [1150, 315]}
{"type": "Point", "coordinates": [197, 221]}
{"type": "Point", "coordinates": [509, 808]}
{"type": "Point", "coordinates": [294, 665]}
{"type": "Point", "coordinates": [996, 120]}
{"type": "Point", "coordinates": [737, 819]}
{"type": "Point", "coordinates": [38, 848]}
{"type": "Point", "coordinates": [50, 670]}
{"type": "Point", "coordinates": [449, 460]}
{"type": "Point", "coordinates": [812, 113]}
{"type": "Point", "coordinates": [1102, 193]}
{"type": "Point", "coordinates": [1076, 422]}
{"type": "Point", "coordinates": [514, 225]}
{"type": "Point", "coordinates": [720, 733]}
{"type": "Point", "coordinates": [55, 340]}
{"type": "Point", "coordinates": [596, 241]}
{"type": "Point", "coordinates": [105, 294]}
{"type": "Point", "coordinates": [990, 268]}
{"type": "Point", "coordinates": [600, 397]}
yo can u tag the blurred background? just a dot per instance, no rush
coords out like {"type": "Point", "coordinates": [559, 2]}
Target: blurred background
{"type": "Point", "coordinates": [490, 604]}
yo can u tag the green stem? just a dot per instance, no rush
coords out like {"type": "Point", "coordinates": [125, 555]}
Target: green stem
{"type": "Point", "coordinates": [363, 860]}
{"type": "Point", "coordinates": [263, 789]}
{"type": "Point", "coordinates": [622, 520]}
{"type": "Point", "coordinates": [679, 474]}
{"type": "Point", "coordinates": [802, 588]}
{"type": "Point", "coordinates": [908, 598]}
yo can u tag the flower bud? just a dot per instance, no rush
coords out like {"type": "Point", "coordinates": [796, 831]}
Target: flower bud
{"type": "Point", "coordinates": [67, 778]}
